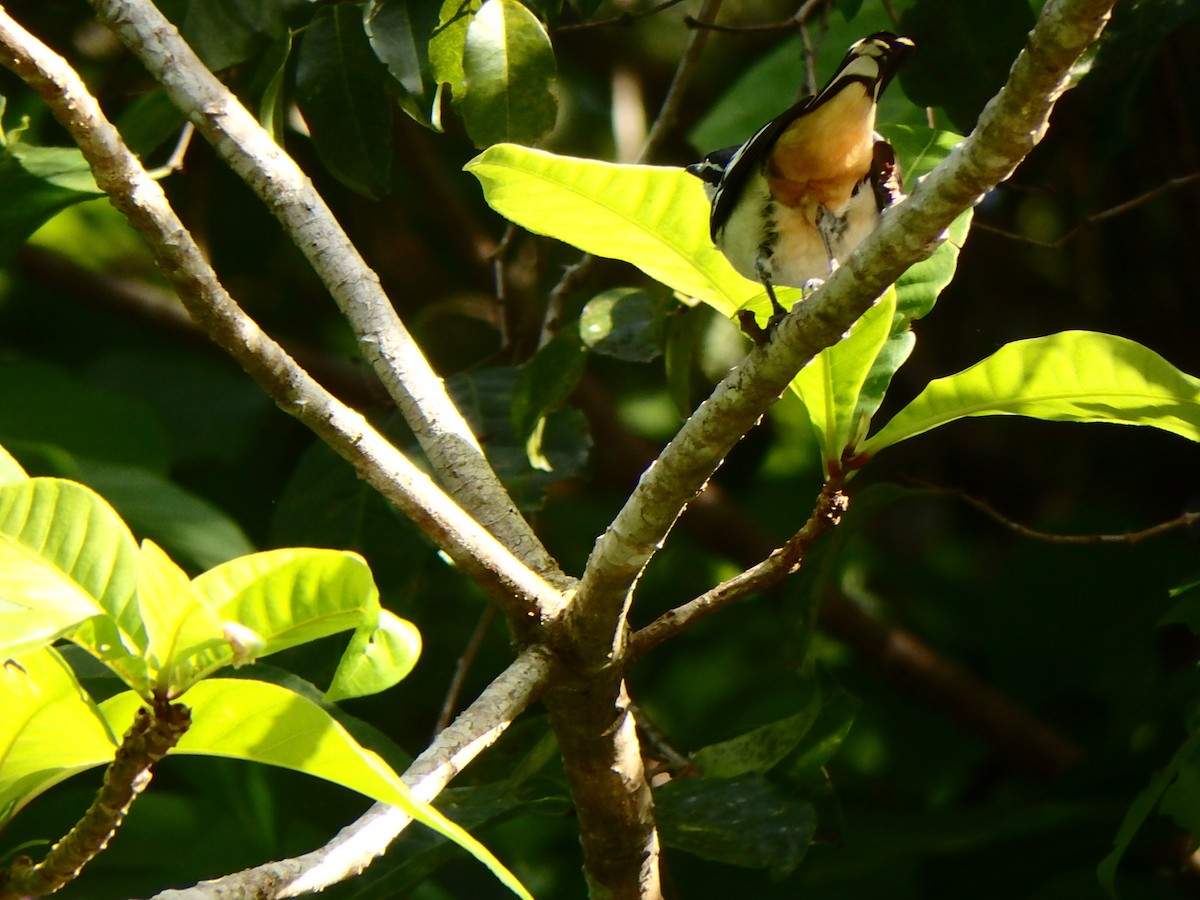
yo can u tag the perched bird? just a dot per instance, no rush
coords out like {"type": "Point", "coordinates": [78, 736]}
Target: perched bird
{"type": "Point", "coordinates": [797, 198]}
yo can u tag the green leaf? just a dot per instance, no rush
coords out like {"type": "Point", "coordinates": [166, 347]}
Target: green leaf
{"type": "Point", "coordinates": [10, 470]}
{"type": "Point", "coordinates": [486, 398]}
{"type": "Point", "coordinates": [45, 404]}
{"type": "Point", "coordinates": [655, 218]}
{"type": "Point", "coordinates": [267, 602]}
{"type": "Point", "coordinates": [544, 383]}
{"type": "Point", "coordinates": [399, 32]}
{"type": "Point", "coordinates": [508, 76]}
{"type": "Point", "coordinates": [65, 557]}
{"type": "Point", "coordinates": [975, 42]}
{"type": "Point", "coordinates": [760, 750]}
{"type": "Point", "coordinates": [50, 729]}
{"type": "Point", "coordinates": [831, 384]}
{"type": "Point", "coordinates": [448, 43]}
{"type": "Point", "coordinates": [263, 723]}
{"type": "Point", "coordinates": [626, 323]}
{"type": "Point", "coordinates": [1141, 809]}
{"type": "Point", "coordinates": [193, 530]}
{"type": "Point", "coordinates": [227, 32]}
{"type": "Point", "coordinates": [376, 658]}
{"type": "Point", "coordinates": [37, 182]}
{"type": "Point", "coordinates": [1075, 376]}
{"type": "Point", "coordinates": [746, 821]}
{"type": "Point", "coordinates": [340, 91]}
{"type": "Point", "coordinates": [177, 620]}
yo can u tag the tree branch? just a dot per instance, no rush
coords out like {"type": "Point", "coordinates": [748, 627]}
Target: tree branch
{"type": "Point", "coordinates": [153, 733]}
{"type": "Point", "coordinates": [357, 845]}
{"type": "Point", "coordinates": [519, 592]}
{"type": "Point", "coordinates": [831, 503]}
{"type": "Point", "coordinates": [594, 632]}
{"type": "Point", "coordinates": [289, 195]}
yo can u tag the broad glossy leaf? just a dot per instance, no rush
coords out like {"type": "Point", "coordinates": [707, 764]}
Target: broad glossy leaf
{"type": "Point", "coordinates": [746, 821]}
{"type": "Point", "coordinates": [508, 76]}
{"type": "Point", "coordinates": [1075, 376]}
{"type": "Point", "coordinates": [267, 602]}
{"type": "Point", "coordinates": [448, 43]}
{"type": "Point", "coordinates": [340, 91]}
{"type": "Point", "coordinates": [399, 32]}
{"type": "Point", "coordinates": [376, 659]}
{"type": "Point", "coordinates": [627, 323]}
{"type": "Point", "coordinates": [179, 624]}
{"type": "Point", "coordinates": [49, 731]}
{"type": "Point", "coordinates": [830, 385]}
{"type": "Point", "coordinates": [653, 217]}
{"type": "Point", "coordinates": [264, 723]}
{"type": "Point", "coordinates": [65, 557]}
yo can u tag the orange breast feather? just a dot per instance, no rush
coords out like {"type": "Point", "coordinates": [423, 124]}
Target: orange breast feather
{"type": "Point", "coordinates": [821, 156]}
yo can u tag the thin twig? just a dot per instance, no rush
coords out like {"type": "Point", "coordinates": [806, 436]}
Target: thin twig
{"type": "Point", "coordinates": [1186, 520]}
{"type": "Point", "coordinates": [668, 114]}
{"type": "Point", "coordinates": [1095, 218]}
{"type": "Point", "coordinates": [578, 274]}
{"type": "Point", "coordinates": [791, 23]}
{"type": "Point", "coordinates": [830, 505]}
{"type": "Point", "coordinates": [463, 666]}
{"type": "Point", "coordinates": [626, 18]}
{"type": "Point", "coordinates": [354, 848]}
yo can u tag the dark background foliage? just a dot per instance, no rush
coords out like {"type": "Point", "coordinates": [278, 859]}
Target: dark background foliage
{"type": "Point", "coordinates": [915, 806]}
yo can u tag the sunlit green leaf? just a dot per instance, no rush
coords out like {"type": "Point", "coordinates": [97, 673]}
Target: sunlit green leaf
{"type": "Point", "coordinates": [1075, 376]}
{"type": "Point", "coordinates": [448, 43]}
{"type": "Point", "coordinates": [376, 659]}
{"type": "Point", "coordinates": [831, 383]}
{"type": "Point", "coordinates": [653, 217]}
{"type": "Point", "coordinates": [10, 470]}
{"type": "Point", "coordinates": [508, 75]}
{"type": "Point", "coordinates": [178, 622]}
{"type": "Point", "coordinates": [50, 728]}
{"type": "Point", "coordinates": [65, 557]}
{"type": "Point", "coordinates": [264, 723]}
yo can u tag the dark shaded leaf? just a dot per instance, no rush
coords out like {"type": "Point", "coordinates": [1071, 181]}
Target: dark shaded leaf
{"type": "Point", "coordinates": [340, 90]}
{"type": "Point", "coordinates": [760, 750]}
{"type": "Point", "coordinates": [745, 821]}
{"type": "Point", "coordinates": [964, 52]}
{"type": "Point", "coordinates": [543, 384]}
{"type": "Point", "coordinates": [626, 323]}
{"type": "Point", "coordinates": [400, 32]}
{"type": "Point", "coordinates": [486, 396]}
